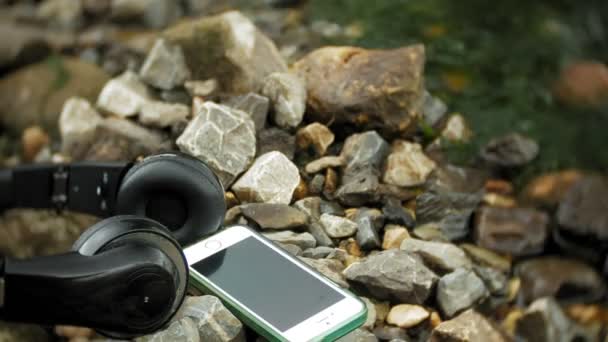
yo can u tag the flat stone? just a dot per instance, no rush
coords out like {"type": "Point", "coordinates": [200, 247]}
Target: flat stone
{"type": "Point", "coordinates": [229, 48]}
{"type": "Point", "coordinates": [253, 104]}
{"type": "Point", "coordinates": [568, 280]}
{"type": "Point", "coordinates": [395, 213]}
{"type": "Point", "coordinates": [407, 165]}
{"type": "Point", "coordinates": [439, 256]}
{"type": "Point", "coordinates": [407, 315]}
{"type": "Point", "coordinates": [274, 216]}
{"type": "Point", "coordinates": [551, 188]}
{"type": "Point", "coordinates": [394, 274]}
{"type": "Point", "coordinates": [459, 290]}
{"type": "Point", "coordinates": [347, 82]}
{"type": "Point", "coordinates": [287, 94]}
{"type": "Point", "coordinates": [183, 330]}
{"type": "Point", "coordinates": [510, 150]}
{"type": "Point", "coordinates": [365, 149]}
{"type": "Point", "coordinates": [319, 252]}
{"type": "Point", "coordinates": [394, 236]}
{"type": "Point", "coordinates": [487, 257]}
{"type": "Point", "coordinates": [78, 120]}
{"type": "Point", "coordinates": [124, 95]}
{"type": "Point", "coordinates": [318, 231]}
{"type": "Point", "coordinates": [315, 135]}
{"type": "Point", "coordinates": [271, 179]}
{"type": "Point", "coordinates": [469, 326]}
{"type": "Point", "coordinates": [358, 335]}
{"type": "Point", "coordinates": [276, 139]}
{"type": "Point", "coordinates": [222, 137]}
{"type": "Point", "coordinates": [332, 269]}
{"type": "Point", "coordinates": [517, 231]}
{"type": "Point", "coordinates": [451, 210]}
{"type": "Point", "coordinates": [367, 234]}
{"type": "Point", "coordinates": [162, 114]}
{"type": "Point", "coordinates": [324, 163]}
{"type": "Point", "coordinates": [338, 227]}
{"type": "Point", "coordinates": [584, 209]}
{"type": "Point", "coordinates": [165, 66]}
{"type": "Point", "coordinates": [302, 240]}
{"type": "Point", "coordinates": [213, 320]}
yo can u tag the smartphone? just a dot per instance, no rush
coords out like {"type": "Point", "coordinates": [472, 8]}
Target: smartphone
{"type": "Point", "coordinates": [273, 292]}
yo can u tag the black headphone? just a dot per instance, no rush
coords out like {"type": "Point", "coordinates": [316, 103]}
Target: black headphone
{"type": "Point", "coordinates": [127, 275]}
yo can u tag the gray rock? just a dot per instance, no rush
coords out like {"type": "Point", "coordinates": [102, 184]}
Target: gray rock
{"type": "Point", "coordinates": [367, 234]}
{"type": "Point", "coordinates": [433, 110]}
{"type": "Point", "coordinates": [162, 114]}
{"type": "Point", "coordinates": [319, 252]}
{"type": "Point", "coordinates": [459, 291]}
{"type": "Point", "coordinates": [365, 149]}
{"type": "Point", "coordinates": [407, 165]}
{"type": "Point", "coordinates": [153, 13]}
{"type": "Point", "coordinates": [165, 66]}
{"type": "Point", "coordinates": [452, 178]}
{"type": "Point", "coordinates": [315, 135]}
{"type": "Point", "coordinates": [311, 206]}
{"type": "Point", "coordinates": [360, 186]}
{"type": "Point", "coordinates": [338, 227]}
{"type": "Point", "coordinates": [253, 104]}
{"type": "Point", "coordinates": [176, 95]}
{"type": "Point", "coordinates": [291, 249]}
{"type": "Point", "coordinates": [324, 163]}
{"type": "Point", "coordinates": [394, 274]}
{"type": "Point", "coordinates": [359, 335]}
{"type": "Point", "coordinates": [315, 186]}
{"type": "Point", "coordinates": [287, 94]}
{"type": "Point", "coordinates": [123, 95]}
{"type": "Point", "coordinates": [273, 215]}
{"type": "Point", "coordinates": [332, 269]}
{"type": "Point", "coordinates": [276, 139]}
{"type": "Point", "coordinates": [78, 121]}
{"type": "Point", "coordinates": [440, 257]}
{"type": "Point", "coordinates": [469, 326]}
{"type": "Point", "coordinates": [316, 229]}
{"type": "Point", "coordinates": [331, 208]}
{"type": "Point", "coordinates": [215, 323]}
{"type": "Point", "coordinates": [511, 150]}
{"type": "Point", "coordinates": [183, 330]}
{"type": "Point", "coordinates": [544, 321]}
{"type": "Point", "coordinates": [517, 231]}
{"type": "Point", "coordinates": [302, 240]}
{"type": "Point", "coordinates": [395, 213]}
{"type": "Point", "coordinates": [222, 137]}
{"type": "Point", "coordinates": [271, 179]}
{"type": "Point", "coordinates": [496, 282]}
{"type": "Point", "coordinates": [451, 210]}
{"type": "Point", "coordinates": [63, 14]}
{"type": "Point", "coordinates": [584, 209]}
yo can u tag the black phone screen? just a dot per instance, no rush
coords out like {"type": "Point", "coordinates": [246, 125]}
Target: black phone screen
{"type": "Point", "coordinates": [267, 283]}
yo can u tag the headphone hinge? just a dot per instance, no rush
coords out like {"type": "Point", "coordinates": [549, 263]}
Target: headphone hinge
{"type": "Point", "coordinates": [59, 197]}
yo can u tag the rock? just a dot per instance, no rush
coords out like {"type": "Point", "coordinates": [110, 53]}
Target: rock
{"type": "Point", "coordinates": [366, 149]}
{"type": "Point", "coordinates": [496, 282]}
{"type": "Point", "coordinates": [253, 104]}
{"type": "Point", "coordinates": [214, 322]}
{"type": "Point", "coordinates": [451, 210]}
{"type": "Point", "coordinates": [332, 208]}
{"type": "Point", "coordinates": [153, 13]}
{"type": "Point", "coordinates": [511, 150]}
{"type": "Point", "coordinates": [359, 186]}
{"type": "Point", "coordinates": [394, 235]}
{"type": "Point", "coordinates": [452, 178]}
{"type": "Point", "coordinates": [34, 95]}
{"type": "Point", "coordinates": [287, 94]}
{"type": "Point", "coordinates": [204, 89]}
{"type": "Point", "coordinates": [406, 315]}
{"type": "Point", "coordinates": [323, 163]}
{"type": "Point", "coordinates": [124, 95]}
{"type": "Point", "coordinates": [329, 268]}
{"type": "Point", "coordinates": [316, 229]}
{"type": "Point", "coordinates": [407, 165]}
{"type": "Point", "coordinates": [459, 291]}
{"type": "Point", "coordinates": [456, 129]}
{"type": "Point", "coordinates": [165, 66]}
{"type": "Point", "coordinates": [367, 235]}
{"type": "Point", "coordinates": [63, 14]}
{"type": "Point", "coordinates": [517, 231]}
{"type": "Point", "coordinates": [567, 280]}
{"type": "Point", "coordinates": [302, 240]}
{"type": "Point", "coordinates": [276, 139]}
{"type": "Point", "coordinates": [395, 213]}
{"type": "Point", "coordinates": [33, 140]}
{"type": "Point", "coordinates": [319, 252]}
{"type": "Point", "coordinates": [440, 257]}
{"type": "Point", "coordinates": [486, 257]}
{"type": "Point", "coordinates": [162, 114]}
{"type": "Point", "coordinates": [338, 227]}
{"type": "Point", "coordinates": [176, 95]}
{"type": "Point", "coordinates": [78, 121]}
{"type": "Point", "coordinates": [371, 319]}
{"type": "Point", "coordinates": [274, 216]}
{"type": "Point", "coordinates": [390, 333]}
{"type": "Point", "coordinates": [469, 326]}
{"type": "Point", "coordinates": [358, 335]}
{"type": "Point", "coordinates": [344, 82]}
{"type": "Point", "coordinates": [28, 44]}
{"type": "Point", "coordinates": [315, 135]}
{"type": "Point", "coordinates": [430, 232]}
{"type": "Point", "coordinates": [311, 206]}
{"type": "Point", "coordinates": [584, 209]}
{"type": "Point", "coordinates": [23, 333]}
{"type": "Point", "coordinates": [433, 110]}
{"type": "Point", "coordinates": [544, 321]}
{"type": "Point", "coordinates": [549, 189]}
{"type": "Point", "coordinates": [291, 249]}
{"type": "Point", "coordinates": [222, 137]}
{"type": "Point", "coordinates": [25, 233]}
{"type": "Point", "coordinates": [271, 179]}
{"type": "Point", "coordinates": [394, 274]}
{"type": "Point", "coordinates": [582, 84]}
{"type": "Point", "coordinates": [183, 330]}
{"type": "Point", "coordinates": [229, 48]}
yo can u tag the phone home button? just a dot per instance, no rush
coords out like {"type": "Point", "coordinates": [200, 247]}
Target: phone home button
{"type": "Point", "coordinates": [213, 244]}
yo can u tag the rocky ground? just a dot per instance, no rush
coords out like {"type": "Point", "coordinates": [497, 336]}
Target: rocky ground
{"type": "Point", "coordinates": [325, 150]}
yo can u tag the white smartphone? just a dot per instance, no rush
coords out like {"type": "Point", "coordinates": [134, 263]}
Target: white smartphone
{"type": "Point", "coordinates": [273, 292]}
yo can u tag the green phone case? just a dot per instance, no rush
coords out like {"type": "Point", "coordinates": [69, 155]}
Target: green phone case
{"type": "Point", "coordinates": [200, 283]}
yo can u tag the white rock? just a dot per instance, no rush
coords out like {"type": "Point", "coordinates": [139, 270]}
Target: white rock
{"type": "Point", "coordinates": [407, 165]}
{"type": "Point", "coordinates": [163, 114]}
{"type": "Point", "coordinates": [271, 179]}
{"type": "Point", "coordinates": [407, 315]}
{"type": "Point", "coordinates": [338, 227]}
{"type": "Point", "coordinates": [287, 93]}
{"type": "Point", "coordinates": [78, 120]}
{"type": "Point", "coordinates": [456, 129]}
{"type": "Point", "coordinates": [202, 88]}
{"type": "Point", "coordinates": [123, 95]}
{"type": "Point", "coordinates": [165, 66]}
{"type": "Point", "coordinates": [222, 137]}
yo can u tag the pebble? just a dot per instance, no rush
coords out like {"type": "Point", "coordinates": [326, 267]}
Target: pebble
{"type": "Point", "coordinates": [253, 104]}
{"type": "Point", "coordinates": [451, 210]}
{"type": "Point", "coordinates": [205, 89]}
{"type": "Point", "coordinates": [358, 335]}
{"type": "Point", "coordinates": [511, 150]}
{"type": "Point", "coordinates": [324, 163]}
{"type": "Point", "coordinates": [332, 269]}
{"type": "Point", "coordinates": [77, 121]}
{"type": "Point", "coordinates": [584, 208]}
{"type": "Point", "coordinates": [162, 114]}
{"type": "Point", "coordinates": [459, 290]}
{"type": "Point", "coordinates": [367, 234]}
{"type": "Point", "coordinates": [364, 150]}
{"type": "Point", "coordinates": [407, 165]}
{"type": "Point", "coordinates": [310, 205]}
{"type": "Point", "coordinates": [165, 66]}
{"type": "Point", "coordinates": [183, 330]}
{"type": "Point", "coordinates": [549, 189]}
{"type": "Point", "coordinates": [394, 274]}
{"type": "Point", "coordinates": [319, 252]}
{"type": "Point", "coordinates": [370, 322]}
{"type": "Point", "coordinates": [407, 315]}
{"type": "Point", "coordinates": [315, 135]}
{"type": "Point", "coordinates": [394, 235]}
{"type": "Point", "coordinates": [430, 232]}
{"type": "Point", "coordinates": [274, 215]}
{"type": "Point", "coordinates": [487, 257]}
{"type": "Point", "coordinates": [291, 249]}
{"type": "Point", "coordinates": [316, 185]}
{"type": "Point", "coordinates": [302, 240]}
{"type": "Point", "coordinates": [438, 256]}
{"type": "Point", "coordinates": [215, 123]}
{"type": "Point", "coordinates": [287, 94]}
{"type": "Point", "coordinates": [316, 229]}
{"type": "Point", "coordinates": [33, 140]}
{"type": "Point", "coordinates": [456, 129]}
{"type": "Point", "coordinates": [496, 282]}
{"type": "Point", "coordinates": [395, 213]}
{"type": "Point", "coordinates": [469, 326]}
{"type": "Point", "coordinates": [124, 95]}
{"type": "Point", "coordinates": [359, 186]}
{"type": "Point", "coordinates": [433, 110]}
{"type": "Point", "coordinates": [517, 231]}
{"type": "Point", "coordinates": [544, 321]}
{"type": "Point", "coordinates": [338, 227]}
{"type": "Point", "coordinates": [271, 179]}
{"type": "Point", "coordinates": [214, 322]}
{"type": "Point", "coordinates": [276, 139]}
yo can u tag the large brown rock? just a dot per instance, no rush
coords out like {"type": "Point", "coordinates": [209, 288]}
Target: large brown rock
{"type": "Point", "coordinates": [469, 326]}
{"type": "Point", "coordinates": [350, 84]}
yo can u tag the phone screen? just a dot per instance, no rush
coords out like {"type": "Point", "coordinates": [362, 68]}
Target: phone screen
{"type": "Point", "coordinates": [267, 283]}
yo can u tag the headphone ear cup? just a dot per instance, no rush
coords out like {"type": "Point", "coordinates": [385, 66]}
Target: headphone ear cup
{"type": "Point", "coordinates": [178, 191]}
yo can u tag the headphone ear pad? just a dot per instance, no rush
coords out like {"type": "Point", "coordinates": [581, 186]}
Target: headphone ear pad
{"type": "Point", "coordinates": [178, 191]}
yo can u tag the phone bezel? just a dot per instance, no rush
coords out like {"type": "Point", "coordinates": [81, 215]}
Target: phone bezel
{"type": "Point", "coordinates": [345, 313]}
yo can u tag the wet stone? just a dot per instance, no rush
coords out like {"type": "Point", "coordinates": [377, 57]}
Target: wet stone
{"type": "Point", "coordinates": [395, 213]}
{"type": "Point", "coordinates": [407, 165]}
{"type": "Point", "coordinates": [302, 240]}
{"type": "Point", "coordinates": [544, 321]}
{"type": "Point", "coordinates": [315, 135]}
{"type": "Point", "coordinates": [459, 290]}
{"type": "Point", "coordinates": [162, 114]}
{"type": "Point", "coordinates": [165, 67]}
{"type": "Point", "coordinates": [124, 95]}
{"type": "Point", "coordinates": [451, 210]}
{"type": "Point", "coordinates": [287, 94]}
{"type": "Point", "coordinates": [338, 227]}
{"type": "Point", "coordinates": [469, 326]}
{"type": "Point", "coordinates": [511, 150]}
{"type": "Point", "coordinates": [584, 209]}
{"type": "Point", "coordinates": [438, 256]}
{"type": "Point", "coordinates": [253, 104]}
{"type": "Point", "coordinates": [406, 315]}
{"type": "Point", "coordinates": [276, 139]}
{"type": "Point", "coordinates": [274, 216]}
{"type": "Point", "coordinates": [213, 320]}
{"type": "Point", "coordinates": [394, 274]}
